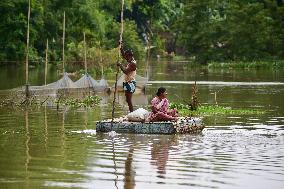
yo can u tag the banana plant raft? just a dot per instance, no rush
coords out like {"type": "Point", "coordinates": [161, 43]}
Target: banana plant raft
{"type": "Point", "coordinates": [122, 125]}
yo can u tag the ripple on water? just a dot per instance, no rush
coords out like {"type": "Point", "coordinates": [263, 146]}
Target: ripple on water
{"type": "Point", "coordinates": [62, 155]}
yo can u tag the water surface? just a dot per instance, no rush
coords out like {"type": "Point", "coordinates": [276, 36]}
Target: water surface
{"type": "Point", "coordinates": [45, 148]}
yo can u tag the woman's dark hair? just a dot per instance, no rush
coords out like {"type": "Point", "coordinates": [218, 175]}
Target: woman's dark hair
{"type": "Point", "coordinates": [160, 91]}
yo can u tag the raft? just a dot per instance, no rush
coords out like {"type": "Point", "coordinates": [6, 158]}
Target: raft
{"type": "Point", "coordinates": [122, 125]}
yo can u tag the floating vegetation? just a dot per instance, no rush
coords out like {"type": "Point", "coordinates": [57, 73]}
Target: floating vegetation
{"type": "Point", "coordinates": [88, 101]}
{"type": "Point", "coordinates": [248, 65]}
{"type": "Point", "coordinates": [32, 102]}
{"type": "Point", "coordinates": [21, 102]}
{"type": "Point", "coordinates": [207, 110]}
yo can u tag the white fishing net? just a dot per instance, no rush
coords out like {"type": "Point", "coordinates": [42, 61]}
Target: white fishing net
{"type": "Point", "coordinates": [65, 84]}
{"type": "Point", "coordinates": [87, 82]}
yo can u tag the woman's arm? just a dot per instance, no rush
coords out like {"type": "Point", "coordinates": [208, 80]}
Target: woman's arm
{"type": "Point", "coordinates": [158, 106]}
{"type": "Point", "coordinates": [154, 109]}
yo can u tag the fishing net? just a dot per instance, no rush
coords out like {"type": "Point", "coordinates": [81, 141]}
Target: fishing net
{"type": "Point", "coordinates": [87, 82]}
{"type": "Point", "coordinates": [65, 84]}
{"type": "Point", "coordinates": [103, 85]}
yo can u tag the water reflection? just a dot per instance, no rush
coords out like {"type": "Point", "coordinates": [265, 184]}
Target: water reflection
{"type": "Point", "coordinates": [45, 128]}
{"type": "Point", "coordinates": [63, 137]}
{"type": "Point", "coordinates": [129, 173]}
{"type": "Point", "coordinates": [236, 151]}
{"type": "Point", "coordinates": [27, 134]}
{"type": "Point", "coordinates": [160, 154]}
{"type": "Point", "coordinates": [114, 163]}
{"type": "Point", "coordinates": [85, 125]}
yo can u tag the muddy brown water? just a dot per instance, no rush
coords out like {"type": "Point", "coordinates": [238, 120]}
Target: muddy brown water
{"type": "Point", "coordinates": [45, 148]}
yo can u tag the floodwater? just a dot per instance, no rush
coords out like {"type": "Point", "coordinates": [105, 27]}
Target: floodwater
{"type": "Point", "coordinates": [45, 148]}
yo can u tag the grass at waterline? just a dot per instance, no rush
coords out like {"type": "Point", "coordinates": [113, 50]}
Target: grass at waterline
{"type": "Point", "coordinates": [248, 65]}
{"type": "Point", "coordinates": [207, 110]}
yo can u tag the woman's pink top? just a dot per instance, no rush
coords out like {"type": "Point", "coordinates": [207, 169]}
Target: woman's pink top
{"type": "Point", "coordinates": [160, 105]}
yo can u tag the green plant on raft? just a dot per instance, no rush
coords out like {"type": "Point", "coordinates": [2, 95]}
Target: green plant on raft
{"type": "Point", "coordinates": [206, 110]}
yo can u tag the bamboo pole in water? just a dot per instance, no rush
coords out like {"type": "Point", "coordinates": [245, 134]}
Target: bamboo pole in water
{"type": "Point", "coordinates": [85, 54]}
{"type": "Point", "coordinates": [85, 62]}
{"type": "Point", "coordinates": [27, 52]}
{"type": "Point", "coordinates": [148, 57]}
{"type": "Point", "coordinates": [101, 59]}
{"type": "Point", "coordinates": [46, 62]}
{"type": "Point", "coordinates": [116, 76]}
{"type": "Point", "coordinates": [63, 43]}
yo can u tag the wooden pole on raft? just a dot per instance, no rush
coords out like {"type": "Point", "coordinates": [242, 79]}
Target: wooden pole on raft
{"type": "Point", "coordinates": [118, 61]}
{"type": "Point", "coordinates": [85, 54]}
{"type": "Point", "coordinates": [63, 44]}
{"type": "Point", "coordinates": [46, 62]}
{"type": "Point", "coordinates": [27, 52]}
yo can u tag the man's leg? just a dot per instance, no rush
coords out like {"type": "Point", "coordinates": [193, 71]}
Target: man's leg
{"type": "Point", "coordinates": [128, 96]}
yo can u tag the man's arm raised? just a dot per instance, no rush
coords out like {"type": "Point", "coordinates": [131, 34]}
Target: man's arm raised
{"type": "Point", "coordinates": [126, 70]}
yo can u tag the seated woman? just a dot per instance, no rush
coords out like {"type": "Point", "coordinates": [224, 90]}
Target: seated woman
{"type": "Point", "coordinates": [160, 107]}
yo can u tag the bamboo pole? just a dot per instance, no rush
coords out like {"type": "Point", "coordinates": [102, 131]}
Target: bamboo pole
{"type": "Point", "coordinates": [85, 54]}
{"type": "Point", "coordinates": [46, 62]}
{"type": "Point", "coordinates": [63, 43]}
{"type": "Point", "coordinates": [118, 60]}
{"type": "Point", "coordinates": [27, 52]}
{"type": "Point", "coordinates": [101, 59]}
{"type": "Point", "coordinates": [85, 62]}
{"type": "Point", "coordinates": [148, 57]}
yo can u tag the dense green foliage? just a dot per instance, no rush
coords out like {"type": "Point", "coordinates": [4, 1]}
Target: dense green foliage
{"type": "Point", "coordinates": [213, 30]}
{"type": "Point", "coordinates": [233, 30]}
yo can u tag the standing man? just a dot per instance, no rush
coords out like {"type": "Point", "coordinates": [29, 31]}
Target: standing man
{"type": "Point", "coordinates": [129, 83]}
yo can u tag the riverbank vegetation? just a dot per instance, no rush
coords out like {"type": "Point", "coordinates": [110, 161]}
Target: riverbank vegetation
{"type": "Point", "coordinates": [248, 65]}
{"type": "Point", "coordinates": [204, 31]}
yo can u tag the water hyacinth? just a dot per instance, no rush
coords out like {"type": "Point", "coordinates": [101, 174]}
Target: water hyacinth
{"type": "Point", "coordinates": [207, 110]}
{"type": "Point", "coordinates": [277, 64]}
{"type": "Point", "coordinates": [88, 101]}
{"type": "Point", "coordinates": [33, 101]}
